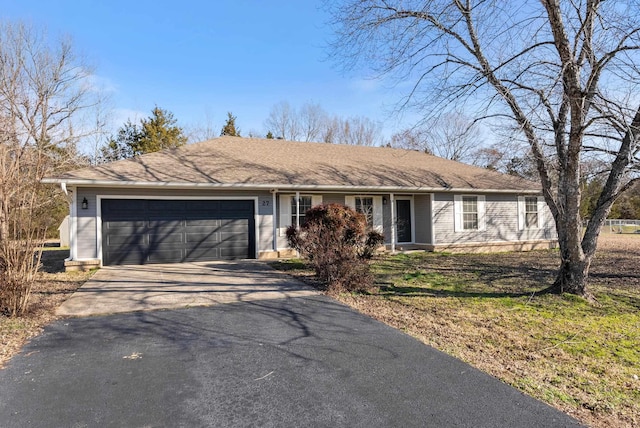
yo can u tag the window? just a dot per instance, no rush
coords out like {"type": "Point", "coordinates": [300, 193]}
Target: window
{"type": "Point", "coordinates": [470, 213]}
{"type": "Point", "coordinates": [303, 206]}
{"type": "Point", "coordinates": [531, 211]}
{"type": "Point", "coordinates": [365, 206]}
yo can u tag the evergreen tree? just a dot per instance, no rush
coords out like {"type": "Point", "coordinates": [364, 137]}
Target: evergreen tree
{"type": "Point", "coordinates": [157, 132]}
{"type": "Point", "coordinates": [229, 127]}
{"type": "Point", "coordinates": [120, 146]}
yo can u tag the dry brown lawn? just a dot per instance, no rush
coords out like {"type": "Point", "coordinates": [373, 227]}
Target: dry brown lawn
{"type": "Point", "coordinates": [580, 357]}
{"type": "Point", "coordinates": [52, 287]}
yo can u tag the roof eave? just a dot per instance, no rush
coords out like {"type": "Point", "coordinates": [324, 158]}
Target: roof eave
{"type": "Point", "coordinates": [279, 186]}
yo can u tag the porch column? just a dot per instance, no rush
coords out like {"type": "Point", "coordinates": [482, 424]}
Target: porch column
{"type": "Point", "coordinates": [392, 202]}
{"type": "Point", "coordinates": [297, 210]}
{"type": "Point", "coordinates": [274, 216]}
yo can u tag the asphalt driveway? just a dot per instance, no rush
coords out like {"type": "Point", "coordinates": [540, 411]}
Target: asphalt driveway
{"type": "Point", "coordinates": [298, 361]}
{"type": "Point", "coordinates": [115, 289]}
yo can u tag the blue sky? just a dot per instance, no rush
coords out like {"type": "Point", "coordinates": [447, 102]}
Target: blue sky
{"type": "Point", "coordinates": [200, 59]}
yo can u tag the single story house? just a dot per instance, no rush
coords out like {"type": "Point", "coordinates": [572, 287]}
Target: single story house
{"type": "Point", "coordinates": [234, 197]}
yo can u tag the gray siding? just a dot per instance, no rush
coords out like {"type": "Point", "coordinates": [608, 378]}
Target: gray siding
{"type": "Point", "coordinates": [501, 215]}
{"type": "Point", "coordinates": [386, 221]}
{"type": "Point", "coordinates": [333, 198]}
{"type": "Point", "coordinates": [86, 235]}
{"type": "Point", "coordinates": [422, 211]}
{"type": "Point", "coordinates": [265, 222]}
{"type": "Point", "coordinates": [87, 223]}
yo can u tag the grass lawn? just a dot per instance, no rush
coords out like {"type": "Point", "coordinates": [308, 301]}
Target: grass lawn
{"type": "Point", "coordinates": [52, 287]}
{"type": "Point", "coordinates": [482, 308]}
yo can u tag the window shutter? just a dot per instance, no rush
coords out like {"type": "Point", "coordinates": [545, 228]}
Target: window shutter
{"type": "Point", "coordinates": [377, 214]}
{"type": "Point", "coordinates": [316, 200]}
{"type": "Point", "coordinates": [541, 206]}
{"type": "Point", "coordinates": [521, 213]}
{"type": "Point", "coordinates": [285, 213]}
{"type": "Point", "coordinates": [482, 222]}
{"type": "Point", "coordinates": [350, 201]}
{"type": "Point", "coordinates": [457, 213]}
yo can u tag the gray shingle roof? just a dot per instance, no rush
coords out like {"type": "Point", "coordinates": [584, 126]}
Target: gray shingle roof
{"type": "Point", "coordinates": [261, 163]}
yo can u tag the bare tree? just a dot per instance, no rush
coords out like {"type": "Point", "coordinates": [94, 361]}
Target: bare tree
{"type": "Point", "coordinates": [312, 119]}
{"type": "Point", "coordinates": [451, 135]}
{"type": "Point", "coordinates": [43, 90]}
{"type": "Point", "coordinates": [283, 122]}
{"type": "Point", "coordinates": [312, 123]}
{"type": "Point", "coordinates": [565, 73]}
{"type": "Point", "coordinates": [355, 131]}
{"type": "Point", "coordinates": [202, 131]}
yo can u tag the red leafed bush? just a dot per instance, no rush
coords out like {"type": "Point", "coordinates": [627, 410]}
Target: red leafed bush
{"type": "Point", "coordinates": [335, 240]}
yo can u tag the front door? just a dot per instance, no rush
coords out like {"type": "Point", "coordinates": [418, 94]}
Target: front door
{"type": "Point", "coordinates": [403, 220]}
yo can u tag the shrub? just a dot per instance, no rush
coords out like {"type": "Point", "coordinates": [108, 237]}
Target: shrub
{"type": "Point", "coordinates": [335, 240]}
{"type": "Point", "coordinates": [19, 261]}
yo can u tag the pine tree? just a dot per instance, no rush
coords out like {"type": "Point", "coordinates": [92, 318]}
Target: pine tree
{"type": "Point", "coordinates": [229, 127]}
{"type": "Point", "coordinates": [157, 132]}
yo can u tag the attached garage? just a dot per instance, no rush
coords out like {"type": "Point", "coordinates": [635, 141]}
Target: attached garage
{"type": "Point", "coordinates": [141, 231]}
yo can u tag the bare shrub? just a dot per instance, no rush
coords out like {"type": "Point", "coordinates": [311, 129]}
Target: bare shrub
{"type": "Point", "coordinates": [45, 92]}
{"type": "Point", "coordinates": [20, 261]}
{"type": "Point", "coordinates": [335, 240]}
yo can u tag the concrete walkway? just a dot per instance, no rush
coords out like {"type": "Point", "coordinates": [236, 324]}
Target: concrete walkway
{"type": "Point", "coordinates": [116, 289]}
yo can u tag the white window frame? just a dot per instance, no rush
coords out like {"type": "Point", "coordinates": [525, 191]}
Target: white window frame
{"type": "Point", "coordinates": [458, 213]}
{"type": "Point", "coordinates": [522, 207]}
{"type": "Point", "coordinates": [370, 216]}
{"type": "Point", "coordinates": [350, 201]}
{"type": "Point", "coordinates": [299, 208]}
{"type": "Point", "coordinates": [286, 210]}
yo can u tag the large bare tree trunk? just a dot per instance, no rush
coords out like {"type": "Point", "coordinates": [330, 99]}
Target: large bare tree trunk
{"type": "Point", "coordinates": [565, 73]}
{"type": "Point", "coordinates": [572, 276]}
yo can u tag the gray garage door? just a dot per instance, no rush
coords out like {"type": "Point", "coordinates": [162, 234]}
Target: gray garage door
{"type": "Point", "coordinates": [169, 231]}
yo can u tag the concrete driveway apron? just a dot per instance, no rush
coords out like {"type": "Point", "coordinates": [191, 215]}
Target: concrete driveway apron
{"type": "Point", "coordinates": [115, 289]}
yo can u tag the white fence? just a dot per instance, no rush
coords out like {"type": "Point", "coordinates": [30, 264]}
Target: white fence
{"type": "Point", "coordinates": [621, 226]}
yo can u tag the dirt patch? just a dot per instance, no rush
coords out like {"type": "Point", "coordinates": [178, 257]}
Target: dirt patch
{"type": "Point", "coordinates": [53, 286]}
{"type": "Point", "coordinates": [617, 261]}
